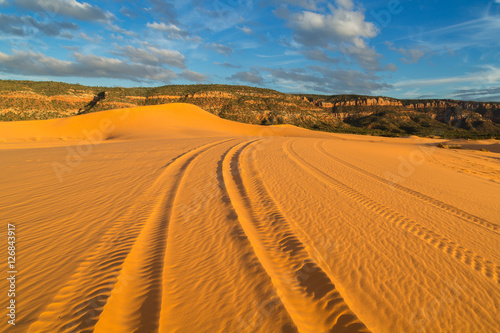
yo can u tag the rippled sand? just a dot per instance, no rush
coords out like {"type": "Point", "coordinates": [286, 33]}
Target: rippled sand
{"type": "Point", "coordinates": [169, 219]}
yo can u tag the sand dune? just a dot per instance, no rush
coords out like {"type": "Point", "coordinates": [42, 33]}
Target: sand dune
{"type": "Point", "coordinates": [169, 219]}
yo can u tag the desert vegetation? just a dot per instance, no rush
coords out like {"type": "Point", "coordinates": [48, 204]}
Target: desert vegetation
{"type": "Point", "coordinates": [371, 115]}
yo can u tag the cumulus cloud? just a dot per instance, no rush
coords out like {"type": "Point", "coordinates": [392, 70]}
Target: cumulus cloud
{"type": "Point", "coordinates": [34, 63]}
{"type": "Point", "coordinates": [322, 79]}
{"type": "Point", "coordinates": [71, 8]}
{"type": "Point", "coordinates": [228, 65]}
{"type": "Point", "coordinates": [341, 25]}
{"type": "Point", "coordinates": [94, 40]}
{"type": "Point", "coordinates": [193, 76]}
{"type": "Point", "coordinates": [128, 12]}
{"type": "Point", "coordinates": [363, 54]}
{"type": "Point", "coordinates": [153, 56]}
{"type": "Point", "coordinates": [52, 28]}
{"type": "Point", "coordinates": [346, 4]}
{"type": "Point", "coordinates": [219, 15]}
{"type": "Point", "coordinates": [307, 4]}
{"type": "Point", "coordinates": [27, 25]}
{"type": "Point", "coordinates": [13, 25]}
{"type": "Point", "coordinates": [250, 77]}
{"type": "Point", "coordinates": [340, 28]}
{"type": "Point", "coordinates": [245, 29]}
{"type": "Point", "coordinates": [221, 49]}
{"type": "Point", "coordinates": [320, 55]}
{"type": "Point", "coordinates": [115, 28]}
{"type": "Point", "coordinates": [163, 9]}
{"type": "Point", "coordinates": [171, 30]}
{"type": "Point", "coordinates": [411, 56]}
{"type": "Point", "coordinates": [391, 68]}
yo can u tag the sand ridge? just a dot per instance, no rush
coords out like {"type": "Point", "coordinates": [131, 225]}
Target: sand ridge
{"type": "Point", "coordinates": [168, 219]}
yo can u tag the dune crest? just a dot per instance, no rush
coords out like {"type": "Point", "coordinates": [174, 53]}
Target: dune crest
{"type": "Point", "coordinates": [157, 121]}
{"type": "Point", "coordinates": [169, 219]}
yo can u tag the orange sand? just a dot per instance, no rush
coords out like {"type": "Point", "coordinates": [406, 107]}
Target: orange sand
{"type": "Point", "coordinates": [169, 219]}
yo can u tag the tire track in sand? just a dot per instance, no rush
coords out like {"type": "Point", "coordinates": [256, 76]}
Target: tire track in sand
{"type": "Point", "coordinates": [135, 302]}
{"type": "Point", "coordinates": [319, 146]}
{"type": "Point", "coordinates": [78, 305]}
{"type": "Point", "coordinates": [207, 244]}
{"type": "Point", "coordinates": [308, 294]}
{"type": "Point", "coordinates": [463, 255]}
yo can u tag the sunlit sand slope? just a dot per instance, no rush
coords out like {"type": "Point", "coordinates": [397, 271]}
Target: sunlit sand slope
{"type": "Point", "coordinates": [169, 219]}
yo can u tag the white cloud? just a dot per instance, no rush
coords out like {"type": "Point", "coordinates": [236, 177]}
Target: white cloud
{"type": "Point", "coordinates": [488, 94]}
{"type": "Point", "coordinates": [346, 4]}
{"type": "Point", "coordinates": [28, 25]}
{"type": "Point", "coordinates": [250, 77]}
{"type": "Point", "coordinates": [314, 29]}
{"type": "Point", "coordinates": [71, 8]}
{"type": "Point", "coordinates": [94, 40]}
{"type": "Point", "coordinates": [193, 76]}
{"type": "Point", "coordinates": [171, 30]}
{"type": "Point", "coordinates": [153, 56]}
{"type": "Point", "coordinates": [37, 64]}
{"type": "Point", "coordinates": [307, 4]}
{"type": "Point", "coordinates": [481, 32]}
{"type": "Point", "coordinates": [144, 65]}
{"type": "Point", "coordinates": [245, 29]}
{"type": "Point", "coordinates": [391, 67]}
{"type": "Point", "coordinates": [412, 56]}
{"type": "Point", "coordinates": [228, 65]}
{"type": "Point", "coordinates": [163, 27]}
{"type": "Point", "coordinates": [322, 79]}
{"type": "Point", "coordinates": [366, 56]}
{"type": "Point", "coordinates": [321, 56]}
{"type": "Point", "coordinates": [342, 28]}
{"type": "Point", "coordinates": [116, 28]}
{"type": "Point", "coordinates": [163, 9]}
{"type": "Point", "coordinates": [221, 49]}
{"type": "Point", "coordinates": [216, 16]}
{"type": "Point", "coordinates": [489, 75]}
{"type": "Point", "coordinates": [414, 93]}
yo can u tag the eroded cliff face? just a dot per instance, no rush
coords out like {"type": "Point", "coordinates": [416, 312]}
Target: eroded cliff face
{"type": "Point", "coordinates": [262, 106]}
{"type": "Point", "coordinates": [447, 111]}
{"type": "Point", "coordinates": [415, 105]}
{"type": "Point", "coordinates": [358, 102]}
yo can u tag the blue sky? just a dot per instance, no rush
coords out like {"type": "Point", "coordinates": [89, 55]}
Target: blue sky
{"type": "Point", "coordinates": [397, 48]}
